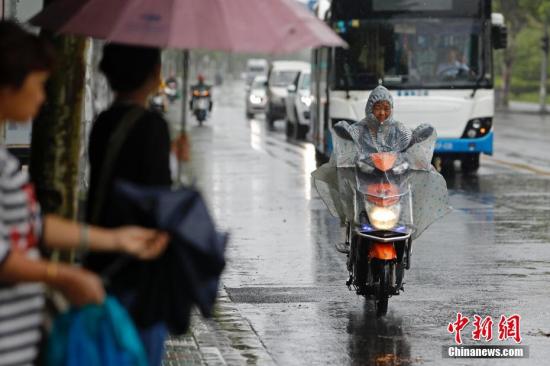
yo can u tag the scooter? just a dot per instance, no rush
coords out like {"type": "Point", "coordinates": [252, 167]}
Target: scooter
{"type": "Point", "coordinates": [171, 91]}
{"type": "Point", "coordinates": [379, 237]}
{"type": "Point", "coordinates": [201, 104]}
{"type": "Point", "coordinates": [156, 103]}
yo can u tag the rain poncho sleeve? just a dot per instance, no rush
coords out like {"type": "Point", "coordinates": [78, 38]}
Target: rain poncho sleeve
{"type": "Point", "coordinates": [353, 144]}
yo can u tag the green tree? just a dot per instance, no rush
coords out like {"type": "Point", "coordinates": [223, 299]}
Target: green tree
{"type": "Point", "coordinates": [521, 60]}
{"type": "Point", "coordinates": [516, 19]}
{"type": "Point", "coordinates": [540, 12]}
{"type": "Point", "coordinates": [56, 131]}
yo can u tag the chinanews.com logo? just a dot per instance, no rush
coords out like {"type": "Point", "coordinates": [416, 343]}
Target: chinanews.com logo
{"type": "Point", "coordinates": [488, 332]}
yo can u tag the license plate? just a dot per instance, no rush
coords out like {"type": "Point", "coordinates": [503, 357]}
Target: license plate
{"type": "Point", "coordinates": [202, 103]}
{"type": "Point", "coordinates": [444, 146]}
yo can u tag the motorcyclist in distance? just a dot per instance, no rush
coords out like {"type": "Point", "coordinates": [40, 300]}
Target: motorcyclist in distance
{"type": "Point", "coordinates": [201, 89]}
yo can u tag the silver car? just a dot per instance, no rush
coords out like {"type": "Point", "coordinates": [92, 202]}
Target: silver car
{"type": "Point", "coordinates": [256, 97]}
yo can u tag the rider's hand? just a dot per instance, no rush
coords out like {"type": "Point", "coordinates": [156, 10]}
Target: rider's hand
{"type": "Point", "coordinates": [79, 286]}
{"type": "Point", "coordinates": [140, 242]}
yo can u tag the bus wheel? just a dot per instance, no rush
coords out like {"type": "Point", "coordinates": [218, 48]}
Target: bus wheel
{"type": "Point", "coordinates": [470, 163]}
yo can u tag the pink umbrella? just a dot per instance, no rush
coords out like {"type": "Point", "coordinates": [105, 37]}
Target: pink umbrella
{"type": "Point", "coordinates": [268, 26]}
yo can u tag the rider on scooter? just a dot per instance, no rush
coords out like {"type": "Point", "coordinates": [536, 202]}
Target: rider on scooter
{"type": "Point", "coordinates": [380, 132]}
{"type": "Point", "coordinates": [201, 89]}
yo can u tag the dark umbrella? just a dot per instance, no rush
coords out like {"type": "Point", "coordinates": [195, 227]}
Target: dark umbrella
{"type": "Point", "coordinates": [189, 270]}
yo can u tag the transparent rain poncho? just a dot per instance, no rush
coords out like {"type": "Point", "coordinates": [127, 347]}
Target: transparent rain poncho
{"type": "Point", "coordinates": [353, 144]}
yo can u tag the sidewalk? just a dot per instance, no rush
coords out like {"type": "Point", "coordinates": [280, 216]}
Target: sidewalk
{"type": "Point", "coordinates": [227, 339]}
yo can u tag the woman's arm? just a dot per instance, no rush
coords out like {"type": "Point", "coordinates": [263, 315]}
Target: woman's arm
{"type": "Point", "coordinates": [60, 233]}
{"type": "Point", "coordinates": [79, 286]}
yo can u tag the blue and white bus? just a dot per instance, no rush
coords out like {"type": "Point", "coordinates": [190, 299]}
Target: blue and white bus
{"type": "Point", "coordinates": [436, 56]}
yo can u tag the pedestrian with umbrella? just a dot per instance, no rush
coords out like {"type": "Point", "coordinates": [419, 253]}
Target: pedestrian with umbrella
{"type": "Point", "coordinates": [273, 26]}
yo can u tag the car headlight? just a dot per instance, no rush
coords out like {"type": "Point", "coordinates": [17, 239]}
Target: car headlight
{"type": "Point", "coordinates": [306, 100]}
{"type": "Point", "coordinates": [255, 99]}
{"type": "Point", "coordinates": [384, 218]}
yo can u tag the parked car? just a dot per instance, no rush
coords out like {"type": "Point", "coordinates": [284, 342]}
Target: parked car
{"type": "Point", "coordinates": [298, 102]}
{"type": "Point", "coordinates": [256, 98]}
{"type": "Point", "coordinates": [281, 75]}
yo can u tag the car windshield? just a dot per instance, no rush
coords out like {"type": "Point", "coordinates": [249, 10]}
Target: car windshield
{"type": "Point", "coordinates": [412, 52]}
{"type": "Point", "coordinates": [305, 82]}
{"type": "Point", "coordinates": [256, 69]}
{"type": "Point", "coordinates": [282, 78]}
{"type": "Point", "coordinates": [258, 83]}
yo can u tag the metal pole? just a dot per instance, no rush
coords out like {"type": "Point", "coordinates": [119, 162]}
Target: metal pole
{"type": "Point", "coordinates": [544, 70]}
{"type": "Point", "coordinates": [184, 91]}
{"type": "Point", "coordinates": [184, 102]}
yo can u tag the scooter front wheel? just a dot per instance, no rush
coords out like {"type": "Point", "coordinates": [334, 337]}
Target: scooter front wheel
{"type": "Point", "coordinates": [382, 295]}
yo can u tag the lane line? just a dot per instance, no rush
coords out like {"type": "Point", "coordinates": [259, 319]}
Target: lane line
{"type": "Point", "coordinates": [521, 166]}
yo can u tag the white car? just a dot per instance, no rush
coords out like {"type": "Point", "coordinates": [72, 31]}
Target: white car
{"type": "Point", "coordinates": [281, 75]}
{"type": "Point", "coordinates": [298, 103]}
{"type": "Point", "coordinates": [255, 67]}
{"type": "Point", "coordinates": [256, 98]}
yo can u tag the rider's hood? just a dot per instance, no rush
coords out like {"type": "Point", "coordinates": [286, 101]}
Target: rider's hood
{"type": "Point", "coordinates": [379, 94]}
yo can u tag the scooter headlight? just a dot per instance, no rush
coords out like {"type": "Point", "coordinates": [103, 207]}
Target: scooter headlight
{"type": "Point", "coordinates": [384, 218]}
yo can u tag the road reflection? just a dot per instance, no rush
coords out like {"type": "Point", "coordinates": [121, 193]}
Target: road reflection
{"type": "Point", "coordinates": [377, 341]}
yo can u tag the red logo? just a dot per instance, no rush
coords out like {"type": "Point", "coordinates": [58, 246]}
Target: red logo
{"type": "Point", "coordinates": [508, 327]}
{"type": "Point", "coordinates": [482, 328]}
{"type": "Point", "coordinates": [457, 326]}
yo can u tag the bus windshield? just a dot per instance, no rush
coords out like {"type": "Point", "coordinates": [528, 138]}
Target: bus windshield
{"type": "Point", "coordinates": [411, 53]}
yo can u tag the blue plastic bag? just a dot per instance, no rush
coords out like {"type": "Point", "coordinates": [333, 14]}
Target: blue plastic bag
{"type": "Point", "coordinates": [95, 335]}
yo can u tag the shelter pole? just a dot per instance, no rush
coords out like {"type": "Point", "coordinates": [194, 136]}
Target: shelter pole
{"type": "Point", "coordinates": [184, 90]}
{"type": "Point", "coordinates": [184, 103]}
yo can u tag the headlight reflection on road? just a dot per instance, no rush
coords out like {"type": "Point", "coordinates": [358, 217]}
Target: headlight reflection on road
{"type": "Point", "coordinates": [255, 135]}
{"type": "Point", "coordinates": [310, 164]}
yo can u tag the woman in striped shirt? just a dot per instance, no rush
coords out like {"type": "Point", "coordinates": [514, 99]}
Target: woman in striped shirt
{"type": "Point", "coordinates": [25, 64]}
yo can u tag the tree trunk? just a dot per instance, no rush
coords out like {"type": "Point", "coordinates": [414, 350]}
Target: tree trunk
{"type": "Point", "coordinates": [543, 71]}
{"type": "Point", "coordinates": [506, 78]}
{"type": "Point", "coordinates": [56, 131]}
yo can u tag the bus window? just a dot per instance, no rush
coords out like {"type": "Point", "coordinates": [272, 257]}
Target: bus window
{"type": "Point", "coordinates": [411, 53]}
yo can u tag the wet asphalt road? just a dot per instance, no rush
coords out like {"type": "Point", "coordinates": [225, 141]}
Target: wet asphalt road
{"type": "Point", "coordinates": [489, 256]}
